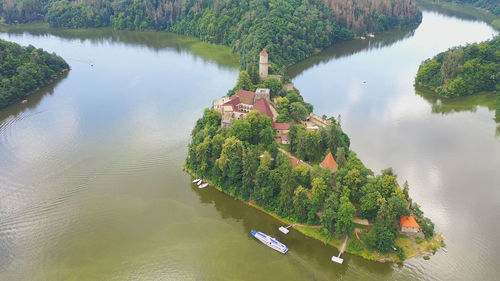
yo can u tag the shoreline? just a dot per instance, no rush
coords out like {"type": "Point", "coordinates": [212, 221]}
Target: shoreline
{"type": "Point", "coordinates": [53, 80]}
{"type": "Point", "coordinates": [466, 10]}
{"type": "Point", "coordinates": [312, 231]}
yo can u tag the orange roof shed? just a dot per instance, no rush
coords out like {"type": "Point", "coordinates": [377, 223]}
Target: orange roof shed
{"type": "Point", "coordinates": [329, 162]}
{"type": "Point", "coordinates": [409, 221]}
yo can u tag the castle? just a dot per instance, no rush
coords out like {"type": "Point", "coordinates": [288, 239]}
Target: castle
{"type": "Point", "coordinates": [236, 107]}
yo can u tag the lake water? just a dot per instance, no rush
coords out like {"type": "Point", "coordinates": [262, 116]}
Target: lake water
{"type": "Point", "coordinates": [91, 186]}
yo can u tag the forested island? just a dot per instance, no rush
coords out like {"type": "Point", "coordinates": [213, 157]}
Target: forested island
{"type": "Point", "coordinates": [463, 71]}
{"type": "Point", "coordinates": [291, 30]}
{"type": "Point", "coordinates": [299, 168]}
{"type": "Point", "coordinates": [25, 69]}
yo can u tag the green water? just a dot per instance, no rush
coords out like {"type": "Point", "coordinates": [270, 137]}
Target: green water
{"type": "Point", "coordinates": [91, 186]}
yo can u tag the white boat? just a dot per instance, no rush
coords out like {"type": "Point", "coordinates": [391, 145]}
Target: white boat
{"type": "Point", "coordinates": [203, 185]}
{"type": "Point", "coordinates": [196, 181]}
{"type": "Point", "coordinates": [270, 241]}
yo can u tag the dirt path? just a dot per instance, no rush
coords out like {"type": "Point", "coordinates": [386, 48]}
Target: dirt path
{"type": "Point", "coordinates": [414, 245]}
{"type": "Point", "coordinates": [343, 246]}
{"type": "Point", "coordinates": [291, 156]}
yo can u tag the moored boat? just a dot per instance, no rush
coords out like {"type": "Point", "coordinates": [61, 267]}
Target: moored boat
{"type": "Point", "coordinates": [203, 185]}
{"type": "Point", "coordinates": [196, 181]}
{"type": "Point", "coordinates": [270, 241]}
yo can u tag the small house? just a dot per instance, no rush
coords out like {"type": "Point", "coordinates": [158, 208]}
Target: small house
{"type": "Point", "coordinates": [409, 225]}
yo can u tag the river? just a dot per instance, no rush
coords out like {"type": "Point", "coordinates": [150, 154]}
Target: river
{"type": "Point", "coordinates": [91, 186]}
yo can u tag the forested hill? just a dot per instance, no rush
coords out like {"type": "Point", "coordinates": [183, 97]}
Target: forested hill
{"type": "Point", "coordinates": [290, 30]}
{"type": "Point", "coordinates": [24, 69]}
{"type": "Point", "coordinates": [463, 71]}
{"type": "Point", "coordinates": [493, 6]}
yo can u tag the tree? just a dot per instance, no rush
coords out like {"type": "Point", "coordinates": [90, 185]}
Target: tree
{"type": "Point", "coordinates": [399, 206]}
{"type": "Point", "coordinates": [344, 216]}
{"type": "Point", "coordinates": [380, 238]}
{"type": "Point", "coordinates": [299, 204]}
{"type": "Point", "coordinates": [262, 177]}
{"type": "Point", "coordinates": [327, 219]}
{"type": "Point", "coordinates": [274, 85]}
{"type": "Point", "coordinates": [286, 207]}
{"type": "Point", "coordinates": [250, 165]}
{"type": "Point", "coordinates": [244, 81]}
{"type": "Point", "coordinates": [340, 157]}
{"type": "Point", "coordinates": [241, 129]}
{"type": "Point", "coordinates": [298, 112]}
{"type": "Point", "coordinates": [427, 227]}
{"type": "Point", "coordinates": [230, 161]}
{"type": "Point", "coordinates": [369, 202]}
{"type": "Point", "coordinates": [313, 145]}
{"type": "Point", "coordinates": [319, 189]}
{"type": "Point", "coordinates": [302, 175]}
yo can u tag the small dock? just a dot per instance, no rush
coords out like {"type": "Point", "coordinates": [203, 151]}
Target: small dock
{"type": "Point", "coordinates": [342, 248]}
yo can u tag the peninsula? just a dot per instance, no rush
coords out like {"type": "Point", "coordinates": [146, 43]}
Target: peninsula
{"type": "Point", "coordinates": [263, 145]}
{"type": "Point", "coordinates": [24, 70]}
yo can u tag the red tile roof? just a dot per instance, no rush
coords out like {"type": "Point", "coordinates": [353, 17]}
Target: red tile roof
{"type": "Point", "coordinates": [262, 105]}
{"type": "Point", "coordinates": [233, 103]}
{"type": "Point", "coordinates": [329, 162]}
{"type": "Point", "coordinates": [281, 126]}
{"type": "Point", "coordinates": [246, 96]}
{"type": "Point", "coordinates": [409, 221]}
{"type": "Point", "coordinates": [263, 53]}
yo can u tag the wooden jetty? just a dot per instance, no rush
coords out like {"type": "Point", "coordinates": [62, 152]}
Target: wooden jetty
{"type": "Point", "coordinates": [342, 248]}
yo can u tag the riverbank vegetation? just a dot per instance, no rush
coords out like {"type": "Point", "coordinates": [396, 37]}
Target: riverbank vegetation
{"type": "Point", "coordinates": [245, 162]}
{"type": "Point", "coordinates": [290, 30]}
{"type": "Point", "coordinates": [485, 10]}
{"type": "Point", "coordinates": [462, 71]}
{"type": "Point", "coordinates": [25, 69]}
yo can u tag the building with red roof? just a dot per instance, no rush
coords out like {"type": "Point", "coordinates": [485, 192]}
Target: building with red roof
{"type": "Point", "coordinates": [409, 225]}
{"type": "Point", "coordinates": [329, 163]}
{"type": "Point", "coordinates": [262, 105]}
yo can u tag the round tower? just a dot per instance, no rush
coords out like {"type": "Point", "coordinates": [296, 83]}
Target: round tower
{"type": "Point", "coordinates": [263, 65]}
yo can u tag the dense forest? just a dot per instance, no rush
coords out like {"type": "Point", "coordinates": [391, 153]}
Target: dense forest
{"type": "Point", "coordinates": [290, 30]}
{"type": "Point", "coordinates": [464, 70]}
{"type": "Point", "coordinates": [246, 162]}
{"type": "Point", "coordinates": [493, 6]}
{"type": "Point", "coordinates": [24, 69]}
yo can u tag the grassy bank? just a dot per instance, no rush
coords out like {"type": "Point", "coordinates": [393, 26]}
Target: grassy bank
{"type": "Point", "coordinates": [465, 10]}
{"type": "Point", "coordinates": [425, 247]}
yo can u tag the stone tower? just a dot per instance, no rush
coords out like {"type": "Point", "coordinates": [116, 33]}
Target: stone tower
{"type": "Point", "coordinates": [263, 65]}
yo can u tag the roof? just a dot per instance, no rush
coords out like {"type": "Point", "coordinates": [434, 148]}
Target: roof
{"type": "Point", "coordinates": [263, 53]}
{"type": "Point", "coordinates": [329, 162]}
{"type": "Point", "coordinates": [233, 103]}
{"type": "Point", "coordinates": [262, 105]}
{"type": "Point", "coordinates": [281, 126]}
{"type": "Point", "coordinates": [246, 96]}
{"type": "Point", "coordinates": [409, 221]}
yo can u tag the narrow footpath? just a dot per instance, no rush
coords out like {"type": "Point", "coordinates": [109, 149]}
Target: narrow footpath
{"type": "Point", "coordinates": [295, 158]}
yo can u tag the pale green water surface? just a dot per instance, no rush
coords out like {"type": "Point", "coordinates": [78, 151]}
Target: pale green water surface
{"type": "Point", "coordinates": [91, 186]}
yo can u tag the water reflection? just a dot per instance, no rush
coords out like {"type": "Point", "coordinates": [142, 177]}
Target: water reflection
{"type": "Point", "coordinates": [34, 100]}
{"type": "Point", "coordinates": [459, 104]}
{"type": "Point", "coordinates": [152, 40]}
{"type": "Point", "coordinates": [304, 251]}
{"type": "Point", "coordinates": [348, 48]}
